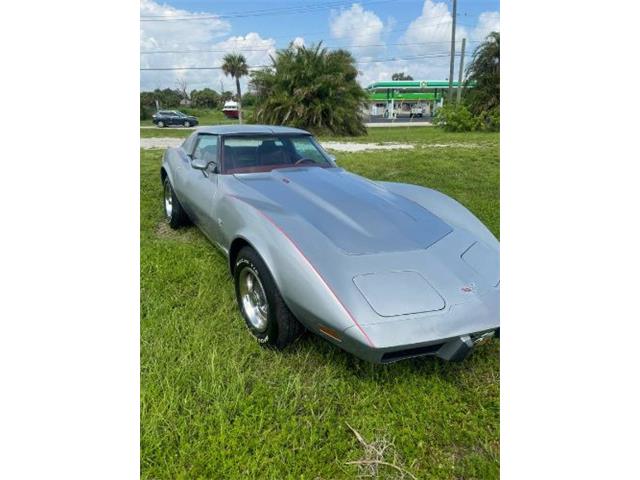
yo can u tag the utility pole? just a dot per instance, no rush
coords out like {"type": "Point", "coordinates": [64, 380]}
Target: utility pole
{"type": "Point", "coordinates": [464, 40]}
{"type": "Point", "coordinates": [453, 50]}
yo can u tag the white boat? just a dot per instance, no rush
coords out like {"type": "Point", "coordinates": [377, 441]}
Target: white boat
{"type": "Point", "coordinates": [230, 109]}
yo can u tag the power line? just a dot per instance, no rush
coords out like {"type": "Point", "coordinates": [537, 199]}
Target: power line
{"type": "Point", "coordinates": [289, 10]}
{"type": "Point", "coordinates": [399, 27]}
{"type": "Point", "coordinates": [149, 52]}
{"type": "Point", "coordinates": [243, 12]}
{"type": "Point", "coordinates": [392, 59]}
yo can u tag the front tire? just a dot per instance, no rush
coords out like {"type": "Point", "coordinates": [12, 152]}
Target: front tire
{"type": "Point", "coordinates": [160, 124]}
{"type": "Point", "coordinates": [173, 211]}
{"type": "Point", "coordinates": [267, 316]}
{"type": "Point", "coordinates": [187, 124]}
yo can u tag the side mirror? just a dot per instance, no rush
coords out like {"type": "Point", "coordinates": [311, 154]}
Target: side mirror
{"type": "Point", "coordinates": [199, 163]}
{"type": "Point", "coordinates": [333, 158]}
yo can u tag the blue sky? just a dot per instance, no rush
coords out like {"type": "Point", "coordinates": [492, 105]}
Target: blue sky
{"type": "Point", "coordinates": [384, 36]}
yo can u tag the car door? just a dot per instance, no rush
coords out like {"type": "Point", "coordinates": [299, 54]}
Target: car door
{"type": "Point", "coordinates": [201, 186]}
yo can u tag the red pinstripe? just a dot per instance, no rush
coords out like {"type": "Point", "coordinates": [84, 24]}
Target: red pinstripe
{"type": "Point", "coordinates": [326, 284]}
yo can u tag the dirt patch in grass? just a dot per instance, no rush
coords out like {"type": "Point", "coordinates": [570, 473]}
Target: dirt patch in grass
{"type": "Point", "coordinates": [160, 142]}
{"type": "Point", "coordinates": [185, 234]}
{"type": "Point", "coordinates": [167, 142]}
{"type": "Point", "coordinates": [363, 147]}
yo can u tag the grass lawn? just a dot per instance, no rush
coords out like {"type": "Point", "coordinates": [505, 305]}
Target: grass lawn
{"type": "Point", "coordinates": [417, 135]}
{"type": "Point", "coordinates": [216, 405]}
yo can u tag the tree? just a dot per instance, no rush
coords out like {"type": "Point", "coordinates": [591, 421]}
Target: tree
{"type": "Point", "coordinates": [182, 85]}
{"type": "Point", "coordinates": [249, 99]}
{"type": "Point", "coordinates": [484, 72]}
{"type": "Point", "coordinates": [401, 76]}
{"type": "Point", "coordinates": [205, 98]}
{"type": "Point", "coordinates": [168, 98]}
{"type": "Point", "coordinates": [311, 88]}
{"type": "Point", "coordinates": [225, 97]}
{"type": "Point", "coordinates": [235, 64]}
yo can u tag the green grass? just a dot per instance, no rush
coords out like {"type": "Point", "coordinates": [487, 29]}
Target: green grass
{"type": "Point", "coordinates": [205, 116]}
{"type": "Point", "coordinates": [420, 135]}
{"type": "Point", "coordinates": [417, 135]}
{"type": "Point", "coordinates": [216, 405]}
{"type": "Point", "coordinates": [165, 132]}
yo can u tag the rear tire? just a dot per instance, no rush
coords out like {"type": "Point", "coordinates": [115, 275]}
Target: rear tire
{"type": "Point", "coordinates": [266, 315]}
{"type": "Point", "coordinates": [173, 211]}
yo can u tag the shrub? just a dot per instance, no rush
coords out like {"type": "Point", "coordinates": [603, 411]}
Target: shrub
{"type": "Point", "coordinates": [490, 120]}
{"type": "Point", "coordinates": [456, 118]}
{"type": "Point", "coordinates": [311, 88]}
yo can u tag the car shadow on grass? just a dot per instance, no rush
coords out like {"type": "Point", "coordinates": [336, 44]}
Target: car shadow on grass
{"type": "Point", "coordinates": [319, 351]}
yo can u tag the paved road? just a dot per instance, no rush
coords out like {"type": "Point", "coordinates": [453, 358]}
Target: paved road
{"type": "Point", "coordinates": [399, 122]}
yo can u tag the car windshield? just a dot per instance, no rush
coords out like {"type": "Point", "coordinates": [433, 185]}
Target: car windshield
{"type": "Point", "coordinates": [263, 153]}
{"type": "Point", "coordinates": [180, 114]}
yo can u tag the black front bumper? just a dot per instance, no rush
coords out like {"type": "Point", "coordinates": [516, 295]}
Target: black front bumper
{"type": "Point", "coordinates": [453, 350]}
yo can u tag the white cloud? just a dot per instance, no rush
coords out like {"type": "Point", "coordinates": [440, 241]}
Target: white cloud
{"type": "Point", "coordinates": [431, 31]}
{"type": "Point", "coordinates": [487, 22]}
{"type": "Point", "coordinates": [298, 42]}
{"type": "Point", "coordinates": [170, 34]}
{"type": "Point", "coordinates": [201, 35]}
{"type": "Point", "coordinates": [429, 36]}
{"type": "Point", "coordinates": [357, 26]}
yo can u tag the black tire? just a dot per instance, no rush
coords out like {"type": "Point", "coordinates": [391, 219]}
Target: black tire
{"type": "Point", "coordinates": [173, 211]}
{"type": "Point", "coordinates": [282, 328]}
{"type": "Point", "coordinates": [160, 124]}
{"type": "Point", "coordinates": [187, 124]}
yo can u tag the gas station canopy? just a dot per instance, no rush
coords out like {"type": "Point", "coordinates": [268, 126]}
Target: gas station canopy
{"type": "Point", "coordinates": [410, 89]}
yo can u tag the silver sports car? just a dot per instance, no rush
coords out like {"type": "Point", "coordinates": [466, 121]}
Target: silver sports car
{"type": "Point", "coordinates": [384, 270]}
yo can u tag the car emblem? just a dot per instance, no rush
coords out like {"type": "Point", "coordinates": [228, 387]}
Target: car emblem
{"type": "Point", "coordinates": [469, 288]}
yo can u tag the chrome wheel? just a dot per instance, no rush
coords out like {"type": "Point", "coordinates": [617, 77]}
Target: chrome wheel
{"type": "Point", "coordinates": [168, 199]}
{"type": "Point", "coordinates": [253, 299]}
{"type": "Point", "coordinates": [187, 124]}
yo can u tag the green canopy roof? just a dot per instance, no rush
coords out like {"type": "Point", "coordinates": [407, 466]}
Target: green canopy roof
{"type": "Point", "coordinates": [411, 84]}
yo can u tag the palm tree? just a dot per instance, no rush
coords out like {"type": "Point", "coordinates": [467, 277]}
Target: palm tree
{"type": "Point", "coordinates": [311, 88]}
{"type": "Point", "coordinates": [484, 71]}
{"type": "Point", "coordinates": [236, 65]}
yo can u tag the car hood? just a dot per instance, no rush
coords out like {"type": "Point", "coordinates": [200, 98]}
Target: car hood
{"type": "Point", "coordinates": [355, 214]}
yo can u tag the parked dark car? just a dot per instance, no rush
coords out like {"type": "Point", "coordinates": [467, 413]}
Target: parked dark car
{"type": "Point", "coordinates": [173, 117]}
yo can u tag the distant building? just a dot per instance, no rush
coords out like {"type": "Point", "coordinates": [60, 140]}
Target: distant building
{"type": "Point", "coordinates": [412, 98]}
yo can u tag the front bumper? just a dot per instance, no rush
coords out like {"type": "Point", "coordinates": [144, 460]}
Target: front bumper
{"type": "Point", "coordinates": [450, 335]}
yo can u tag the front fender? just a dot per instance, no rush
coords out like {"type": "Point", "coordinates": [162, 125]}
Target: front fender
{"type": "Point", "coordinates": [445, 207]}
{"type": "Point", "coordinates": [307, 294]}
{"type": "Point", "coordinates": [166, 168]}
